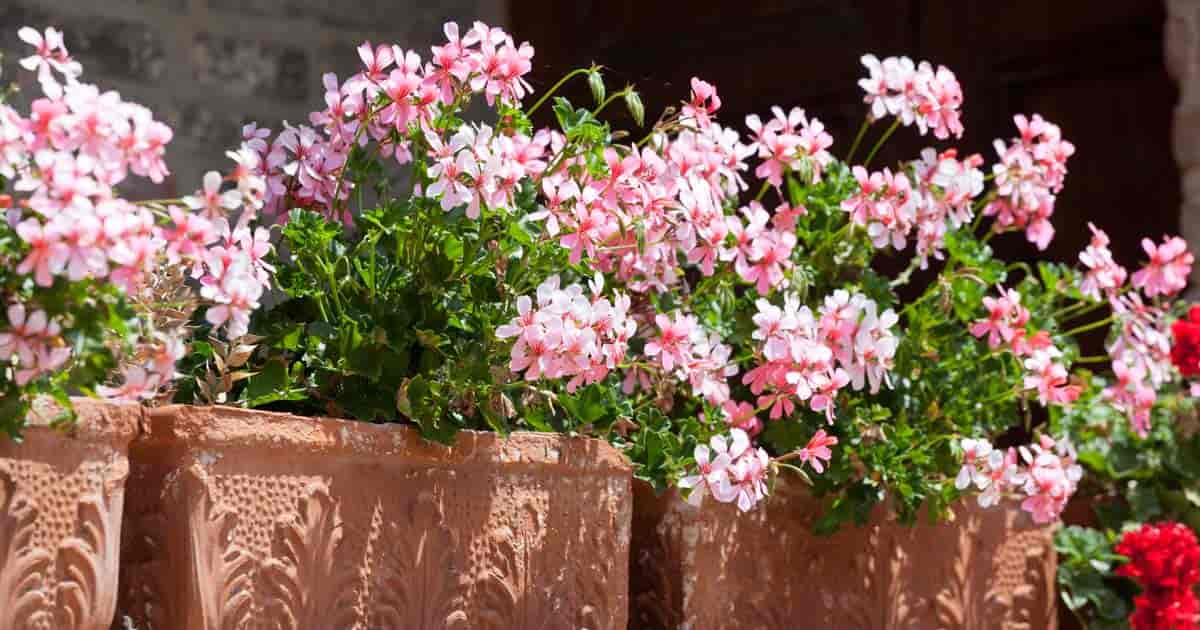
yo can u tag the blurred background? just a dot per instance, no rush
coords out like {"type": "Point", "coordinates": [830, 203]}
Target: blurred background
{"type": "Point", "coordinates": [1121, 77]}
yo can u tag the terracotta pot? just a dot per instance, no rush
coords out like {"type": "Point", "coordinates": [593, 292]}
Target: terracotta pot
{"type": "Point", "coordinates": [61, 496]}
{"type": "Point", "coordinates": [714, 568]}
{"type": "Point", "coordinates": [243, 519]}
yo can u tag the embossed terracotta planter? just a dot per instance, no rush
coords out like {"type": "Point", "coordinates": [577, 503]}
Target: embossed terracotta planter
{"type": "Point", "coordinates": [61, 496]}
{"type": "Point", "coordinates": [714, 568]}
{"type": "Point", "coordinates": [242, 519]}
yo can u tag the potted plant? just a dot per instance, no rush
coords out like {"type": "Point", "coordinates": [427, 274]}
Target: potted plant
{"type": "Point", "coordinates": [1139, 508]}
{"type": "Point", "coordinates": [720, 325]}
{"type": "Point", "coordinates": [392, 277]}
{"type": "Point", "coordinates": [95, 302]}
{"type": "Point", "coordinates": [982, 352]}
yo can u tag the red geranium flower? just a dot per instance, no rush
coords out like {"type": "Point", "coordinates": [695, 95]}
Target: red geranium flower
{"type": "Point", "coordinates": [1185, 352]}
{"type": "Point", "coordinates": [1164, 558]}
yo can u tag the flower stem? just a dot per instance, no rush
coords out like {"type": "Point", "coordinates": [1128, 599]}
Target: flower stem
{"type": "Point", "coordinates": [1070, 310]}
{"type": "Point", "coordinates": [554, 88]}
{"type": "Point", "coordinates": [906, 275]}
{"type": "Point", "coordinates": [887, 134]}
{"type": "Point", "coordinates": [611, 98]}
{"type": "Point", "coordinates": [762, 191]}
{"type": "Point", "coordinates": [337, 190]}
{"type": "Point", "coordinates": [159, 202]}
{"type": "Point", "coordinates": [1092, 326]}
{"type": "Point", "coordinates": [862, 131]}
{"type": "Point", "coordinates": [1096, 358]}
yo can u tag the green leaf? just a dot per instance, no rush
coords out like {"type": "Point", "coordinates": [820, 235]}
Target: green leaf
{"type": "Point", "coordinates": [1144, 501]}
{"type": "Point", "coordinates": [453, 248]}
{"type": "Point", "coordinates": [587, 405]}
{"type": "Point", "coordinates": [270, 384]}
{"type": "Point", "coordinates": [322, 330]}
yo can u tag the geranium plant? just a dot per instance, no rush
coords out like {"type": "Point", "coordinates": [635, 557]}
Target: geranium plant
{"type": "Point", "coordinates": [99, 293]}
{"type": "Point", "coordinates": [704, 298]}
{"type": "Point", "coordinates": [1139, 476]}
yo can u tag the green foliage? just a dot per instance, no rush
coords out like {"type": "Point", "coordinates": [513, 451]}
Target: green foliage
{"type": "Point", "coordinates": [1086, 561]}
{"type": "Point", "coordinates": [1129, 480]}
{"type": "Point", "coordinates": [395, 320]}
{"type": "Point", "coordinates": [93, 316]}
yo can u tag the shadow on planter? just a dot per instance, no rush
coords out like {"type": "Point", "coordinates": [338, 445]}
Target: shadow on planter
{"type": "Point", "coordinates": [61, 497]}
{"type": "Point", "coordinates": [239, 517]}
{"type": "Point", "coordinates": [713, 568]}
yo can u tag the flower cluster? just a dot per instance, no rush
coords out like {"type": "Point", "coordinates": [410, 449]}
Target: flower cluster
{"type": "Point", "coordinates": [1164, 558]}
{"type": "Point", "coordinates": [914, 93]}
{"type": "Point", "coordinates": [664, 203]}
{"type": "Point", "coordinates": [683, 348]}
{"type": "Point", "coordinates": [1185, 350]}
{"type": "Point", "coordinates": [303, 165]}
{"type": "Point", "coordinates": [1167, 270]}
{"type": "Point", "coordinates": [67, 155]}
{"type": "Point", "coordinates": [1043, 475]}
{"type": "Point", "coordinates": [931, 196]}
{"type": "Point", "coordinates": [1103, 276]}
{"type": "Point", "coordinates": [945, 190]}
{"type": "Point", "coordinates": [480, 169]}
{"type": "Point", "coordinates": [65, 159]}
{"type": "Point", "coordinates": [568, 335]}
{"type": "Point", "coordinates": [1007, 326]}
{"type": "Point", "coordinates": [1006, 319]}
{"type": "Point", "coordinates": [1140, 350]}
{"type": "Point", "coordinates": [810, 358]}
{"type": "Point", "coordinates": [35, 341]}
{"type": "Point", "coordinates": [714, 313]}
{"type": "Point", "coordinates": [1029, 176]}
{"type": "Point", "coordinates": [885, 205]}
{"type": "Point", "coordinates": [789, 142]}
{"type": "Point", "coordinates": [764, 246]}
{"type": "Point", "coordinates": [731, 470]}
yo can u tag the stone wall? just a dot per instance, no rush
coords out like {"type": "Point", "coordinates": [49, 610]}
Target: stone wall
{"type": "Point", "coordinates": [1182, 48]}
{"type": "Point", "coordinates": [208, 66]}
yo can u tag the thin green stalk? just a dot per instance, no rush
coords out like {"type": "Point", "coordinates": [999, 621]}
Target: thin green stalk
{"type": "Point", "coordinates": [878, 145]}
{"type": "Point", "coordinates": [1092, 326]}
{"type": "Point", "coordinates": [554, 88]}
{"type": "Point", "coordinates": [762, 191]}
{"type": "Point", "coordinates": [1096, 358]}
{"type": "Point", "coordinates": [906, 275]}
{"type": "Point", "coordinates": [337, 190]}
{"type": "Point", "coordinates": [1070, 310]}
{"type": "Point", "coordinates": [611, 98]}
{"type": "Point", "coordinates": [1000, 398]}
{"type": "Point", "coordinates": [862, 131]}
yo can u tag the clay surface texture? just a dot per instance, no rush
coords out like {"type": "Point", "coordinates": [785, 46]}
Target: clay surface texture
{"type": "Point", "coordinates": [714, 568]}
{"type": "Point", "coordinates": [61, 498]}
{"type": "Point", "coordinates": [245, 520]}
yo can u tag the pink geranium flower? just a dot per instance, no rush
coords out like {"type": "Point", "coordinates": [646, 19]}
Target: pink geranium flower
{"type": "Point", "coordinates": [817, 450]}
{"type": "Point", "coordinates": [1167, 270]}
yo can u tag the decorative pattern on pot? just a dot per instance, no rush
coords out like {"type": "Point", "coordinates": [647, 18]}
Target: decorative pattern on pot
{"type": "Point", "coordinates": [248, 520]}
{"type": "Point", "coordinates": [61, 497]}
{"type": "Point", "coordinates": [715, 568]}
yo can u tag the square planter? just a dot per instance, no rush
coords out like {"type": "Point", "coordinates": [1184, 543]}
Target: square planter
{"type": "Point", "coordinates": [714, 568]}
{"type": "Point", "coordinates": [61, 499]}
{"type": "Point", "coordinates": [244, 519]}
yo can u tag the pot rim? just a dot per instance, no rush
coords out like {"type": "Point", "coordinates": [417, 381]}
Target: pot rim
{"type": "Point", "coordinates": [223, 428]}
